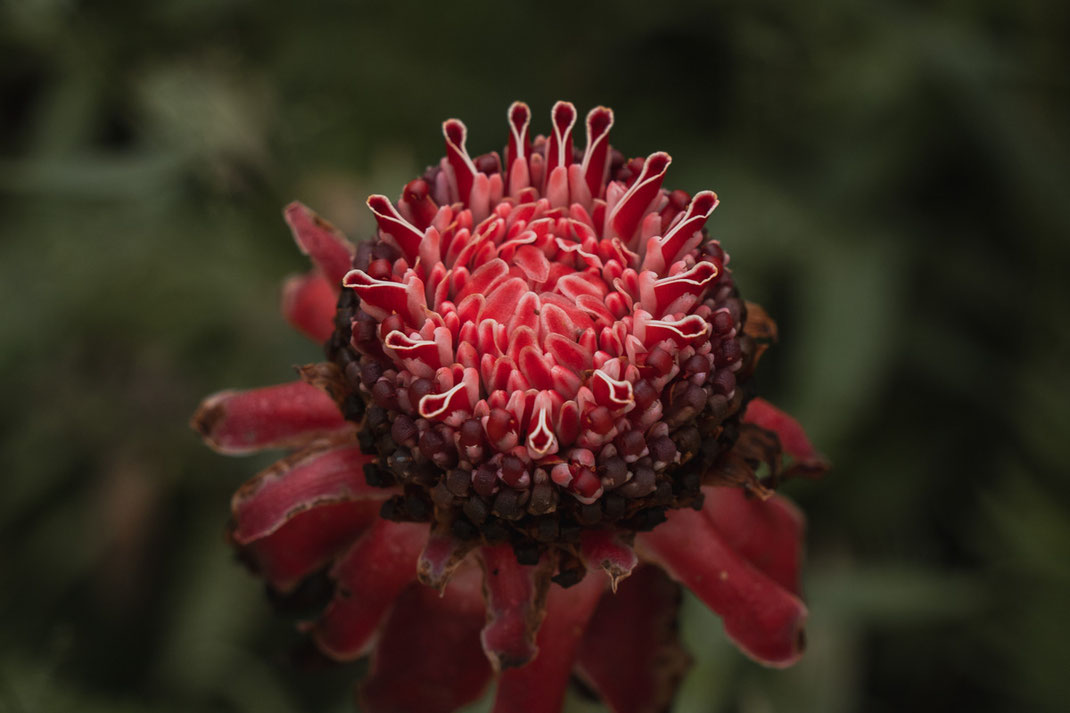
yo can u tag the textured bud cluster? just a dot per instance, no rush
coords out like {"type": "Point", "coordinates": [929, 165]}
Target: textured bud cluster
{"type": "Point", "coordinates": [544, 345]}
{"type": "Point", "coordinates": [534, 422]}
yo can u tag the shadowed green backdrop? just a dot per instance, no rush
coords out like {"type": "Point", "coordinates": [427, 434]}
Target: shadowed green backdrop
{"type": "Point", "coordinates": [894, 190]}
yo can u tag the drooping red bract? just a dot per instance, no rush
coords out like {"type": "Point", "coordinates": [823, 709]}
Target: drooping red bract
{"type": "Point", "coordinates": [539, 367]}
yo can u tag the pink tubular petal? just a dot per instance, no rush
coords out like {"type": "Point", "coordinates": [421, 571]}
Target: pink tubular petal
{"type": "Point", "coordinates": [479, 197]}
{"type": "Point", "coordinates": [559, 149]}
{"type": "Point", "coordinates": [575, 285]}
{"type": "Point", "coordinates": [577, 248]}
{"type": "Point", "coordinates": [630, 209]}
{"type": "Point", "coordinates": [502, 302]}
{"type": "Point", "coordinates": [596, 308]}
{"type": "Point", "coordinates": [567, 383]}
{"type": "Point", "coordinates": [516, 602]}
{"type": "Point", "coordinates": [533, 262]}
{"type": "Point", "coordinates": [568, 353]}
{"type": "Point", "coordinates": [668, 290]}
{"type": "Point", "coordinates": [441, 406]}
{"type": "Point", "coordinates": [496, 372]}
{"type": "Point", "coordinates": [534, 368]}
{"type": "Point", "coordinates": [519, 144]}
{"type": "Point", "coordinates": [402, 233]}
{"type": "Point", "coordinates": [368, 579]}
{"type": "Point", "coordinates": [604, 549]}
{"type": "Point", "coordinates": [761, 617]}
{"type": "Point", "coordinates": [423, 350]}
{"type": "Point", "coordinates": [484, 279]}
{"type": "Point", "coordinates": [539, 687]}
{"type": "Point", "coordinates": [455, 404]}
{"type": "Point", "coordinates": [611, 393]}
{"type": "Point", "coordinates": [542, 441]}
{"type": "Point", "coordinates": [519, 179]}
{"type": "Point", "coordinates": [792, 436]}
{"type": "Point", "coordinates": [662, 252]}
{"type": "Point", "coordinates": [680, 331]}
{"type": "Point", "coordinates": [557, 187]}
{"type": "Point", "coordinates": [537, 173]}
{"type": "Point", "coordinates": [430, 253]}
{"type": "Point", "coordinates": [579, 196]}
{"type": "Point", "coordinates": [308, 304]}
{"type": "Point", "coordinates": [578, 317]}
{"type": "Point", "coordinates": [520, 339]}
{"type": "Point", "coordinates": [527, 313]}
{"type": "Point", "coordinates": [303, 481]}
{"type": "Point", "coordinates": [283, 416]}
{"type": "Point", "coordinates": [465, 171]}
{"type": "Point", "coordinates": [554, 320]}
{"type": "Point", "coordinates": [429, 658]}
{"type": "Point", "coordinates": [422, 356]}
{"type": "Point", "coordinates": [321, 241]}
{"type": "Point", "coordinates": [636, 667]}
{"type": "Point", "coordinates": [381, 298]}
{"type": "Point", "coordinates": [768, 533]}
{"type": "Point", "coordinates": [596, 157]}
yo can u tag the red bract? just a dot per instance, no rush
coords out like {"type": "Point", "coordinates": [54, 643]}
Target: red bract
{"type": "Point", "coordinates": [535, 370]}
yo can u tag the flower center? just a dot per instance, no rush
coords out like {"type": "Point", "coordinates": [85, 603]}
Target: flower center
{"type": "Point", "coordinates": [535, 351]}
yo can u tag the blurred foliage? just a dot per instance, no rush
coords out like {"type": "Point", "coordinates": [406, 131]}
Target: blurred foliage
{"type": "Point", "coordinates": [894, 182]}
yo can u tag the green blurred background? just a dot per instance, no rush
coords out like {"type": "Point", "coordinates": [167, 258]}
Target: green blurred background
{"type": "Point", "coordinates": [895, 187]}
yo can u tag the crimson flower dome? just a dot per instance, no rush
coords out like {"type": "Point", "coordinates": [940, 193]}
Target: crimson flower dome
{"type": "Point", "coordinates": [535, 421]}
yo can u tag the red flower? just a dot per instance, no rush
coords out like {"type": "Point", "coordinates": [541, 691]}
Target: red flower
{"type": "Point", "coordinates": [537, 369]}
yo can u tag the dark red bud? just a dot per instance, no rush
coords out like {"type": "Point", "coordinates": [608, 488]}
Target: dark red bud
{"type": "Point", "coordinates": [421, 204]}
{"type": "Point", "coordinates": [660, 361]}
{"type": "Point", "coordinates": [431, 443]}
{"type": "Point", "coordinates": [643, 483]}
{"type": "Point", "coordinates": [419, 389]}
{"type": "Point", "coordinates": [722, 322]}
{"type": "Point", "coordinates": [391, 323]}
{"type": "Point", "coordinates": [631, 443]}
{"type": "Point", "coordinates": [370, 371]}
{"type": "Point", "coordinates": [471, 433]}
{"type": "Point", "coordinates": [415, 190]}
{"type": "Point", "coordinates": [364, 330]}
{"type": "Point", "coordinates": [384, 394]}
{"type": "Point", "coordinates": [487, 163]}
{"type": "Point", "coordinates": [645, 394]}
{"type": "Point", "coordinates": [542, 499]}
{"type": "Point", "coordinates": [735, 308]}
{"type": "Point", "coordinates": [678, 202]}
{"type": "Point", "coordinates": [513, 469]}
{"type": "Point", "coordinates": [634, 167]}
{"type": "Point", "coordinates": [380, 269]}
{"type": "Point", "coordinates": [485, 479]}
{"type": "Point", "coordinates": [403, 431]}
{"type": "Point", "coordinates": [714, 250]}
{"type": "Point", "coordinates": [697, 364]}
{"type": "Point", "coordinates": [729, 352]}
{"type": "Point", "coordinates": [476, 510]}
{"type": "Point", "coordinates": [614, 472]}
{"type": "Point", "coordinates": [723, 382]}
{"type": "Point", "coordinates": [458, 482]}
{"type": "Point", "coordinates": [662, 449]}
{"type": "Point", "coordinates": [599, 420]}
{"type": "Point", "coordinates": [500, 424]}
{"type": "Point", "coordinates": [584, 481]}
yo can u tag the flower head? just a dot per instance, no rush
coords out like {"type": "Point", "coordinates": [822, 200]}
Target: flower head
{"type": "Point", "coordinates": [539, 367]}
